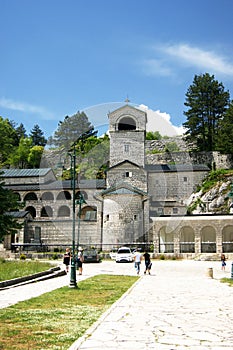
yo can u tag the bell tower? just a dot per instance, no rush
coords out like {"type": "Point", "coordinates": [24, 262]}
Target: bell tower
{"type": "Point", "coordinates": [127, 129]}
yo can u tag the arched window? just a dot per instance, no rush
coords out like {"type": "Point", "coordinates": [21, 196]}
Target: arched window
{"type": "Point", "coordinates": [187, 240]}
{"type": "Point", "coordinates": [89, 213]}
{"type": "Point", "coordinates": [47, 196]}
{"type": "Point", "coordinates": [64, 211]}
{"type": "Point", "coordinates": [127, 123]}
{"type": "Point", "coordinates": [166, 241]}
{"type": "Point", "coordinates": [31, 196]}
{"type": "Point", "coordinates": [227, 239]}
{"type": "Point", "coordinates": [32, 211]}
{"type": "Point", "coordinates": [63, 195]}
{"type": "Point", "coordinates": [84, 194]}
{"type": "Point", "coordinates": [46, 211]}
{"type": "Point", "coordinates": [208, 240]}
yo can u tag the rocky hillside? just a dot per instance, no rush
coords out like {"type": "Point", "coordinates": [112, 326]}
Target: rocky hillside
{"type": "Point", "coordinates": [215, 195]}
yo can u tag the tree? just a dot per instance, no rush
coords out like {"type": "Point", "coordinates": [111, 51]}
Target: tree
{"type": "Point", "coordinates": [34, 157]}
{"type": "Point", "coordinates": [76, 127]}
{"type": "Point", "coordinates": [207, 101]}
{"type": "Point", "coordinates": [8, 203]}
{"type": "Point", "coordinates": [37, 136]}
{"type": "Point", "coordinates": [225, 133]}
{"type": "Point", "coordinates": [153, 135]}
{"type": "Point", "coordinates": [92, 158]}
{"type": "Point", "coordinates": [19, 158]}
{"type": "Point", "coordinates": [8, 139]}
{"type": "Point", "coordinates": [20, 132]}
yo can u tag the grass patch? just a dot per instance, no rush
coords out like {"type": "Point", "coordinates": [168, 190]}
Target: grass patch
{"type": "Point", "coordinates": [56, 319]}
{"type": "Point", "coordinates": [13, 269]}
{"type": "Point", "coordinates": [227, 280]}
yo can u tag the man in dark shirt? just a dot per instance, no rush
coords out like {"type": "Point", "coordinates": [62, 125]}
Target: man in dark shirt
{"type": "Point", "coordinates": [147, 262]}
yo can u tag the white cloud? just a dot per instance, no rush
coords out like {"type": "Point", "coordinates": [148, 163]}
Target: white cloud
{"type": "Point", "coordinates": [25, 107]}
{"type": "Point", "coordinates": [194, 56]}
{"type": "Point", "coordinates": [168, 59]}
{"type": "Point", "coordinates": [161, 121]}
{"type": "Point", "coordinates": [156, 120]}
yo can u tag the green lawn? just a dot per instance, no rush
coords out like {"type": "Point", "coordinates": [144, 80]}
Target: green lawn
{"type": "Point", "coordinates": [227, 280]}
{"type": "Point", "coordinates": [12, 269]}
{"type": "Point", "coordinates": [55, 320]}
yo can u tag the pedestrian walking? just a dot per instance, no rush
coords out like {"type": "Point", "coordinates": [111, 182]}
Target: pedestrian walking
{"type": "Point", "coordinates": [80, 260]}
{"type": "Point", "coordinates": [137, 260]}
{"type": "Point", "coordinates": [223, 260]}
{"type": "Point", "coordinates": [148, 262]}
{"type": "Point", "coordinates": [66, 259]}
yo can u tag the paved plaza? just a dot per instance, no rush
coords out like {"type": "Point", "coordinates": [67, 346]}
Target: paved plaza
{"type": "Point", "coordinates": [177, 307]}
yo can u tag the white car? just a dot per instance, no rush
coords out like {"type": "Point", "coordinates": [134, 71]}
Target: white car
{"type": "Point", "coordinates": [124, 254]}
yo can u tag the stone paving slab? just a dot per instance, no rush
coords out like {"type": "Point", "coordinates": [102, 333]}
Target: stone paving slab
{"type": "Point", "coordinates": [177, 307]}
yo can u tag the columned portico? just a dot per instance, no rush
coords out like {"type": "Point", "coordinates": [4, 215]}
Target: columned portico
{"type": "Point", "coordinates": [192, 235]}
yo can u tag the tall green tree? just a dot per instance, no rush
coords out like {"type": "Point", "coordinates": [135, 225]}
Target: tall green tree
{"type": "Point", "coordinates": [225, 133]}
{"type": "Point", "coordinates": [8, 139]}
{"type": "Point", "coordinates": [37, 136]}
{"type": "Point", "coordinates": [19, 158]}
{"type": "Point", "coordinates": [20, 132]}
{"type": "Point", "coordinates": [206, 102]}
{"type": "Point", "coordinates": [71, 129]}
{"type": "Point", "coordinates": [8, 203]}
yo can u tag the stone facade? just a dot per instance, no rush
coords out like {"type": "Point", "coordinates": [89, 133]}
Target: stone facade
{"type": "Point", "coordinates": [193, 235]}
{"type": "Point", "coordinates": [142, 200]}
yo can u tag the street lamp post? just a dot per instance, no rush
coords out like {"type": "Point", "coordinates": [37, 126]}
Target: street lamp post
{"type": "Point", "coordinates": [73, 283]}
{"type": "Point", "coordinates": [79, 201]}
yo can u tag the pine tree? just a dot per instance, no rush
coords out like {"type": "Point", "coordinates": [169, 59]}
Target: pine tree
{"type": "Point", "coordinates": [76, 127]}
{"type": "Point", "coordinates": [37, 136]}
{"type": "Point", "coordinates": [207, 101]}
{"type": "Point", "coordinates": [225, 132]}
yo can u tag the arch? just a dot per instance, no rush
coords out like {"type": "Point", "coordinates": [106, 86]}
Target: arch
{"type": "Point", "coordinates": [64, 211]}
{"type": "Point", "coordinates": [89, 213]}
{"type": "Point", "coordinates": [166, 243]}
{"type": "Point", "coordinates": [31, 196]}
{"type": "Point", "coordinates": [47, 196]}
{"type": "Point", "coordinates": [127, 123]}
{"type": "Point", "coordinates": [227, 239]}
{"type": "Point", "coordinates": [46, 211]}
{"type": "Point", "coordinates": [187, 240]}
{"type": "Point", "coordinates": [84, 194]}
{"type": "Point", "coordinates": [63, 195]}
{"type": "Point", "coordinates": [31, 210]}
{"type": "Point", "coordinates": [208, 240]}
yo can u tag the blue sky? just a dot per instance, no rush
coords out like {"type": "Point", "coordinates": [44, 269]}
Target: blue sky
{"type": "Point", "coordinates": [58, 57]}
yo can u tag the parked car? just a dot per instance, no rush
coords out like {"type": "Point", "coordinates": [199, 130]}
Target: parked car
{"type": "Point", "coordinates": [91, 255]}
{"type": "Point", "coordinates": [124, 254]}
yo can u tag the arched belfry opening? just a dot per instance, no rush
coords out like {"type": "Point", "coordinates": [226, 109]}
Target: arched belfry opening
{"type": "Point", "coordinates": [127, 123]}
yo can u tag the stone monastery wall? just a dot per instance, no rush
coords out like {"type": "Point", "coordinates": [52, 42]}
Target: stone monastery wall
{"type": "Point", "coordinates": [214, 160]}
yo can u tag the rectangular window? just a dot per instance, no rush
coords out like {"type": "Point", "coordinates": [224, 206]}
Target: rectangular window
{"type": "Point", "coordinates": [126, 148]}
{"type": "Point", "coordinates": [185, 179]}
{"type": "Point", "coordinates": [175, 210]}
{"type": "Point", "coordinates": [90, 215]}
{"type": "Point", "coordinates": [128, 174]}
